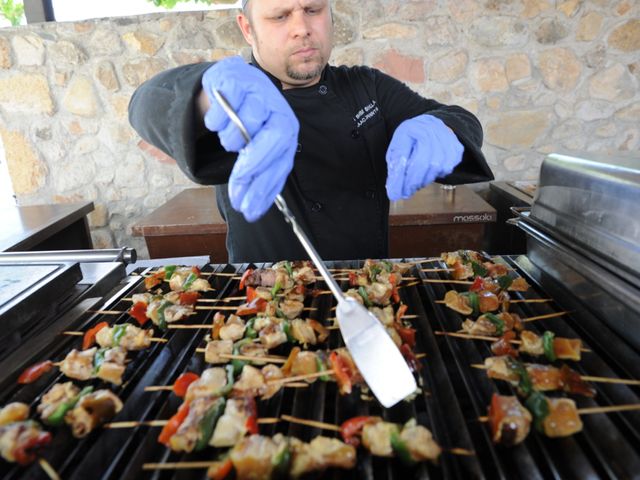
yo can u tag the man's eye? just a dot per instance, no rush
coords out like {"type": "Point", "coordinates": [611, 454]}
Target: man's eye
{"type": "Point", "coordinates": [313, 11]}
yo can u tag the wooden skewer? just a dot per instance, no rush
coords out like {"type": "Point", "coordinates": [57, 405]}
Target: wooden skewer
{"type": "Point", "coordinates": [428, 260]}
{"type": "Point", "coordinates": [179, 465]}
{"type": "Point", "coordinates": [486, 338]}
{"type": "Point", "coordinates": [48, 469]}
{"type": "Point", "coordinates": [587, 378]}
{"type": "Point", "coordinates": [592, 410]}
{"type": "Point", "coordinates": [435, 270]}
{"type": "Point", "coordinates": [522, 300]}
{"type": "Point", "coordinates": [81, 334]}
{"type": "Point", "coordinates": [249, 358]}
{"type": "Point", "coordinates": [306, 376]}
{"type": "Point", "coordinates": [543, 317]}
{"type": "Point", "coordinates": [162, 423]}
{"type": "Point", "coordinates": [455, 282]}
{"type": "Point", "coordinates": [310, 423]}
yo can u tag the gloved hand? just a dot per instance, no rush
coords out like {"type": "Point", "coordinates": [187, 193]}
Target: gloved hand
{"type": "Point", "coordinates": [422, 149]}
{"type": "Point", "coordinates": [263, 166]}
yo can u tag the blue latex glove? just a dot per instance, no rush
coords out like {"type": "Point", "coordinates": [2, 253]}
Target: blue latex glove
{"type": "Point", "coordinates": [422, 149]}
{"type": "Point", "coordinates": [263, 165]}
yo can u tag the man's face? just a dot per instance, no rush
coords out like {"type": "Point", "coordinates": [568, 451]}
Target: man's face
{"type": "Point", "coordinates": [291, 39]}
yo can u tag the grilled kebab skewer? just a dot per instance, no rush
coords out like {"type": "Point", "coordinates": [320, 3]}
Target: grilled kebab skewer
{"type": "Point", "coordinates": [510, 421]}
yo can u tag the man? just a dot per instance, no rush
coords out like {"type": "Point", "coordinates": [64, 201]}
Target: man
{"type": "Point", "coordinates": [337, 142]}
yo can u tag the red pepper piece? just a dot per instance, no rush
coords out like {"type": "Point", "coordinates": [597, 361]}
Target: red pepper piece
{"type": "Point", "coordinates": [154, 280]}
{"type": "Point", "coordinates": [34, 372]}
{"type": "Point", "coordinates": [28, 451]}
{"type": "Point", "coordinates": [223, 471]}
{"type": "Point", "coordinates": [243, 280]}
{"type": "Point", "coordinates": [407, 334]}
{"type": "Point", "coordinates": [351, 429]}
{"type": "Point", "coordinates": [182, 383]}
{"type": "Point", "coordinates": [188, 298]}
{"type": "Point", "coordinates": [393, 279]}
{"type": "Point", "coordinates": [173, 424]}
{"type": "Point", "coordinates": [252, 416]}
{"type": "Point", "coordinates": [90, 335]}
{"type": "Point", "coordinates": [139, 312]}
{"type": "Point", "coordinates": [477, 285]}
{"type": "Point", "coordinates": [341, 370]}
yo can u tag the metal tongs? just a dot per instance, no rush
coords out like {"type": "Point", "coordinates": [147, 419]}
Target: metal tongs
{"type": "Point", "coordinates": [374, 353]}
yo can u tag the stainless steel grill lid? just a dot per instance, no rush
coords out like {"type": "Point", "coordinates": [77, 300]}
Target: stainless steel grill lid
{"type": "Point", "coordinates": [593, 204]}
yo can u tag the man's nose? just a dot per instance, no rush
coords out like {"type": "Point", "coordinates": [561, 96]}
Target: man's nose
{"type": "Point", "coordinates": [300, 24]}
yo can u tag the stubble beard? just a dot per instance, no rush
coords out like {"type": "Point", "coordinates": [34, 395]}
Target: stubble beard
{"type": "Point", "coordinates": [297, 73]}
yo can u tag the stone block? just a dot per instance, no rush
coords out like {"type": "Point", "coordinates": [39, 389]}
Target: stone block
{"type": "Point", "coordinates": [560, 69]}
{"type": "Point", "coordinates": [403, 67]}
{"type": "Point", "coordinates": [105, 74]}
{"type": "Point", "coordinates": [613, 84]}
{"type": "Point", "coordinates": [448, 68]}
{"type": "Point", "coordinates": [626, 37]}
{"type": "Point", "coordinates": [136, 72]}
{"type": "Point", "coordinates": [589, 26]}
{"type": "Point", "coordinates": [520, 129]}
{"type": "Point", "coordinates": [488, 75]}
{"type": "Point", "coordinates": [28, 49]}
{"type": "Point", "coordinates": [144, 42]}
{"type": "Point", "coordinates": [27, 172]}
{"type": "Point", "coordinates": [80, 97]}
{"type": "Point", "coordinates": [5, 54]}
{"type": "Point", "coordinates": [26, 93]}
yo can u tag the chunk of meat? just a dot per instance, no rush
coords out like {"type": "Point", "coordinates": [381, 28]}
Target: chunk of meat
{"type": "Point", "coordinates": [215, 348]}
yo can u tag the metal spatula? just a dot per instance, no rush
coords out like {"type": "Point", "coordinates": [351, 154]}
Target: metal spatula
{"type": "Point", "coordinates": [376, 356]}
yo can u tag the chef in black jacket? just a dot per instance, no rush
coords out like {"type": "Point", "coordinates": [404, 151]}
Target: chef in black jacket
{"type": "Point", "coordinates": [337, 142]}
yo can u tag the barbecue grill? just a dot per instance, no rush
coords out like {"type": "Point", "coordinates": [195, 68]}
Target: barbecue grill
{"type": "Point", "coordinates": [588, 278]}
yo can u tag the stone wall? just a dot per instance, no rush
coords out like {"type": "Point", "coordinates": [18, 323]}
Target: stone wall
{"type": "Point", "coordinates": [542, 76]}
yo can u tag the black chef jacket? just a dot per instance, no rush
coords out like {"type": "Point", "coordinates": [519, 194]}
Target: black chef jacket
{"type": "Point", "coordinates": [336, 189]}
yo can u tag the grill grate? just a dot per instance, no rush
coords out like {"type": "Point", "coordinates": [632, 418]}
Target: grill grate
{"type": "Point", "coordinates": [454, 396]}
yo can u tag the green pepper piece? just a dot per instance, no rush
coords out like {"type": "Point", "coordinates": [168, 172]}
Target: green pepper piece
{"type": "Point", "coordinates": [250, 331]}
{"type": "Point", "coordinates": [497, 322]}
{"type": "Point", "coordinates": [504, 282]}
{"type": "Point", "coordinates": [208, 423]}
{"type": "Point", "coordinates": [320, 367]}
{"type": "Point", "coordinates": [192, 277]}
{"type": "Point", "coordinates": [57, 417]}
{"type": "Point", "coordinates": [474, 301]}
{"type": "Point", "coordinates": [547, 343]}
{"type": "Point", "coordinates": [538, 405]}
{"type": "Point", "coordinates": [238, 365]}
{"type": "Point", "coordinates": [524, 384]}
{"type": "Point", "coordinates": [373, 272]}
{"type": "Point", "coordinates": [162, 322]}
{"type": "Point", "coordinates": [276, 288]}
{"type": "Point", "coordinates": [169, 270]}
{"type": "Point", "coordinates": [286, 328]}
{"type": "Point", "coordinates": [98, 360]}
{"type": "Point", "coordinates": [288, 268]}
{"type": "Point", "coordinates": [281, 461]}
{"type": "Point", "coordinates": [118, 333]}
{"type": "Point", "coordinates": [478, 269]}
{"type": "Point", "coordinates": [280, 313]}
{"type": "Point", "coordinates": [388, 266]}
{"type": "Point", "coordinates": [230, 381]}
{"type": "Point", "coordinates": [365, 296]}
{"type": "Point", "coordinates": [400, 448]}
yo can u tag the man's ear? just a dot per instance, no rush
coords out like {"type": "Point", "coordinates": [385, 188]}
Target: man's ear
{"type": "Point", "coordinates": [245, 28]}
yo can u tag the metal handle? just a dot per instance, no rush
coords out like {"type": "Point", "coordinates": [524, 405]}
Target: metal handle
{"type": "Point", "coordinates": [282, 206]}
{"type": "Point", "coordinates": [311, 251]}
{"type": "Point", "coordinates": [520, 213]}
{"type": "Point", "coordinates": [125, 255]}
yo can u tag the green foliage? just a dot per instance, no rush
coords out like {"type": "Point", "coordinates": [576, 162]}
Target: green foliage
{"type": "Point", "coordinates": [169, 4]}
{"type": "Point", "coordinates": [12, 11]}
